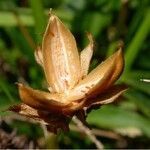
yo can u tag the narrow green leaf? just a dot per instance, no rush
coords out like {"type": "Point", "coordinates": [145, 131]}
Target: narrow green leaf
{"type": "Point", "coordinates": [136, 43]}
{"type": "Point", "coordinates": [39, 16]}
{"type": "Point", "coordinates": [5, 90]}
{"type": "Point", "coordinates": [20, 42]}
{"type": "Point", "coordinates": [113, 117]}
{"type": "Point", "coordinates": [142, 102]}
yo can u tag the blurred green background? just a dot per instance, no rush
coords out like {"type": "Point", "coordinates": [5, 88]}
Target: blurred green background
{"type": "Point", "coordinates": [125, 124]}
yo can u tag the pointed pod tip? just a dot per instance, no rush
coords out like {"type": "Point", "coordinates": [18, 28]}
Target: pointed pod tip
{"type": "Point", "coordinates": [50, 11]}
{"type": "Point", "coordinates": [53, 24]}
{"type": "Point", "coordinates": [53, 17]}
{"type": "Point", "coordinates": [90, 37]}
{"type": "Point", "coordinates": [18, 84]}
{"type": "Point", "coordinates": [118, 54]}
{"type": "Point", "coordinates": [119, 51]}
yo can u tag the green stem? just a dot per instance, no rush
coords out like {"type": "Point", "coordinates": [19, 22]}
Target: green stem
{"type": "Point", "coordinates": [136, 43]}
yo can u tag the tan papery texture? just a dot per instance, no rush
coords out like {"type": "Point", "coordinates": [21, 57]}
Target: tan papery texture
{"type": "Point", "coordinates": [71, 90]}
{"type": "Point", "coordinates": [60, 56]}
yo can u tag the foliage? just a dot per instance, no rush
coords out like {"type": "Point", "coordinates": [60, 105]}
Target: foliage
{"type": "Point", "coordinates": [112, 23]}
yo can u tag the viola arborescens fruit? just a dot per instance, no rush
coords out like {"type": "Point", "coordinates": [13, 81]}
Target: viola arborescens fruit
{"type": "Point", "coordinates": [72, 91]}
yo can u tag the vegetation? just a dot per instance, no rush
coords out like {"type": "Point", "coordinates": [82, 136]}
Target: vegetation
{"type": "Point", "coordinates": [125, 124]}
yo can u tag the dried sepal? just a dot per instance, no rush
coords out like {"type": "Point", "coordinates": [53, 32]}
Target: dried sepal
{"type": "Point", "coordinates": [46, 101]}
{"type": "Point", "coordinates": [54, 122]}
{"type": "Point", "coordinates": [86, 55]}
{"type": "Point", "coordinates": [59, 45]}
{"type": "Point", "coordinates": [118, 68]}
{"type": "Point", "coordinates": [118, 60]}
{"type": "Point", "coordinates": [107, 97]}
{"type": "Point", "coordinates": [38, 56]}
{"type": "Point", "coordinates": [73, 92]}
{"type": "Point", "coordinates": [40, 99]}
{"type": "Point", "coordinates": [25, 110]}
{"type": "Point", "coordinates": [96, 81]}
